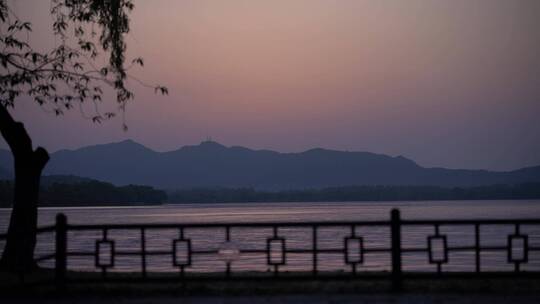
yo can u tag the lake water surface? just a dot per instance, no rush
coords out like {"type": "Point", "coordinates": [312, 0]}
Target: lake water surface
{"type": "Point", "coordinates": [296, 238]}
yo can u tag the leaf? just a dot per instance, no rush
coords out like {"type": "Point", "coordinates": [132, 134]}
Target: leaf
{"type": "Point", "coordinates": [138, 61]}
{"type": "Point", "coordinates": [162, 90]}
{"type": "Point", "coordinates": [110, 115]}
{"type": "Point", "coordinates": [27, 26]}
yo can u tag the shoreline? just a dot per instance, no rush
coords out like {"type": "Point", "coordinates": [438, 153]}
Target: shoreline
{"type": "Point", "coordinates": [150, 205]}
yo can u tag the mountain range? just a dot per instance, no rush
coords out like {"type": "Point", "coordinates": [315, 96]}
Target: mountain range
{"type": "Point", "coordinates": [211, 164]}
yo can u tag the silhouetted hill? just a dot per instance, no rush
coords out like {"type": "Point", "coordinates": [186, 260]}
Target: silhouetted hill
{"type": "Point", "coordinates": [48, 180]}
{"type": "Point", "coordinates": [68, 190]}
{"type": "Point", "coordinates": [211, 164]}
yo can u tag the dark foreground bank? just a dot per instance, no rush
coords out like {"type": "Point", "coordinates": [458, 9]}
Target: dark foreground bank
{"type": "Point", "coordinates": [449, 298]}
{"type": "Point", "coordinates": [11, 286]}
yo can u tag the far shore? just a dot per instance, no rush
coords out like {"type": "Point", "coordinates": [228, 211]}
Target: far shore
{"type": "Point", "coordinates": [150, 205]}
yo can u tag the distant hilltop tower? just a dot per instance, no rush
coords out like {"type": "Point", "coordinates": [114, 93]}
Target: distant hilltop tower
{"type": "Point", "coordinates": [209, 142]}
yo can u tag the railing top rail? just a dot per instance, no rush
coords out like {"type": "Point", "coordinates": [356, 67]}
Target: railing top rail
{"type": "Point", "coordinates": [220, 225]}
{"type": "Point", "coordinates": [472, 222]}
{"type": "Point", "coordinates": [49, 228]}
{"type": "Point", "coordinates": [302, 224]}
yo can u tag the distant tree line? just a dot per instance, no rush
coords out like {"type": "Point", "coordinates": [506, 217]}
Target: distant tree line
{"type": "Point", "coordinates": [91, 192]}
{"type": "Point", "coordinates": [357, 193]}
{"type": "Point", "coordinates": [87, 193]}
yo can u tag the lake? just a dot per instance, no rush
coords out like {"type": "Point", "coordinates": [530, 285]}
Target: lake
{"type": "Point", "coordinates": [296, 238]}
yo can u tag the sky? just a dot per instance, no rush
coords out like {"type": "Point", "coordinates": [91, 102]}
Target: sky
{"type": "Point", "coordinates": [452, 83]}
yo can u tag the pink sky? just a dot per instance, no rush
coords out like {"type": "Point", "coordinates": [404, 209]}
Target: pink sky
{"type": "Point", "coordinates": [446, 83]}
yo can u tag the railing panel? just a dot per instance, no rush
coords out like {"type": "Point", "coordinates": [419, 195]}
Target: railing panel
{"type": "Point", "coordinates": [313, 249]}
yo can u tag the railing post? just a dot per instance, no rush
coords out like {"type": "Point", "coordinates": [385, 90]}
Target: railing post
{"type": "Point", "coordinates": [396, 250]}
{"type": "Point", "coordinates": [61, 250]}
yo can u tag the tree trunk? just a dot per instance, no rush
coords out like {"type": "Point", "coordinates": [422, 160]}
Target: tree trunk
{"type": "Point", "coordinates": [18, 252]}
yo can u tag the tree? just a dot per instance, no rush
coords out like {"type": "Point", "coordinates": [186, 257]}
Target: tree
{"type": "Point", "coordinates": [66, 76]}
